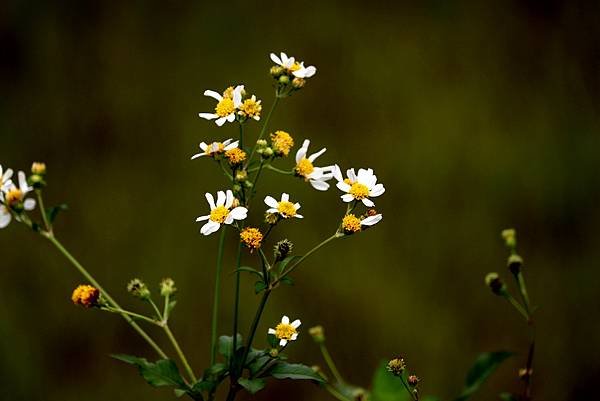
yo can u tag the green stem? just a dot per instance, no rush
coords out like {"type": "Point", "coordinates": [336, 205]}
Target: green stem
{"type": "Point", "coordinates": [236, 305]}
{"type": "Point", "coordinates": [334, 392]}
{"type": "Point", "coordinates": [180, 353]}
{"type": "Point", "coordinates": [166, 307]}
{"type": "Point", "coordinates": [132, 314]}
{"type": "Point", "coordinates": [412, 395]}
{"type": "Point", "coordinates": [316, 248]}
{"type": "Point", "coordinates": [40, 199]}
{"type": "Point", "coordinates": [158, 314]}
{"type": "Point", "coordinates": [259, 311]}
{"type": "Point", "coordinates": [215, 312]}
{"type": "Point", "coordinates": [523, 290]}
{"type": "Point", "coordinates": [264, 129]}
{"type": "Point", "coordinates": [278, 170]}
{"type": "Point", "coordinates": [517, 306]}
{"type": "Point", "coordinates": [241, 136]}
{"type": "Point", "coordinates": [111, 301]}
{"type": "Point", "coordinates": [330, 363]}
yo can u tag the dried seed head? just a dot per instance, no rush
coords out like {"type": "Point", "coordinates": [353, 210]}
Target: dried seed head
{"type": "Point", "coordinates": [396, 366]}
{"type": "Point", "coordinates": [138, 289]}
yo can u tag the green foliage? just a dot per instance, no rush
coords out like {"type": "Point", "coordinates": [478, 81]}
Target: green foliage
{"type": "Point", "coordinates": [508, 397]}
{"type": "Point", "coordinates": [250, 270]}
{"type": "Point", "coordinates": [295, 371]}
{"type": "Point", "coordinates": [386, 386]}
{"type": "Point", "coordinates": [226, 345]}
{"type": "Point", "coordinates": [252, 385]}
{"type": "Point", "coordinates": [484, 366]}
{"type": "Point", "coordinates": [52, 212]}
{"type": "Point", "coordinates": [259, 286]}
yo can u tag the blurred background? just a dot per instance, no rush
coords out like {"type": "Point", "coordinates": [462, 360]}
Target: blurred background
{"type": "Point", "coordinates": [476, 116]}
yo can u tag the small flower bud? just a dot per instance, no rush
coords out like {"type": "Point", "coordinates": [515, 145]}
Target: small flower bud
{"type": "Point", "coordinates": [282, 249]}
{"type": "Point", "coordinates": [247, 184]}
{"type": "Point", "coordinates": [241, 176]}
{"type": "Point", "coordinates": [510, 238]}
{"type": "Point", "coordinates": [276, 71]}
{"type": "Point", "coordinates": [38, 168]}
{"type": "Point", "coordinates": [298, 82]}
{"type": "Point", "coordinates": [515, 262]}
{"type": "Point", "coordinates": [237, 188]}
{"type": "Point", "coordinates": [493, 281]}
{"type": "Point", "coordinates": [167, 287]}
{"type": "Point", "coordinates": [396, 366]}
{"type": "Point", "coordinates": [261, 143]}
{"type": "Point", "coordinates": [267, 152]}
{"type": "Point", "coordinates": [317, 334]}
{"type": "Point", "coordinates": [86, 296]}
{"type": "Point", "coordinates": [138, 289]}
{"type": "Point", "coordinates": [251, 237]}
{"type": "Point", "coordinates": [284, 80]}
{"type": "Point", "coordinates": [413, 380]}
{"type": "Point", "coordinates": [36, 181]}
{"type": "Point", "coordinates": [273, 352]}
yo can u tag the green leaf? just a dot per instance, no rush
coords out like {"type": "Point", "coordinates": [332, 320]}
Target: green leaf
{"type": "Point", "coordinates": [272, 340]}
{"type": "Point", "coordinates": [287, 280]}
{"type": "Point", "coordinates": [387, 387]}
{"type": "Point", "coordinates": [295, 371]}
{"type": "Point", "coordinates": [249, 269]}
{"type": "Point", "coordinates": [286, 261]}
{"type": "Point", "coordinates": [259, 286]}
{"type": "Point", "coordinates": [484, 366]}
{"type": "Point", "coordinates": [52, 212]}
{"type": "Point", "coordinates": [226, 345]}
{"type": "Point", "coordinates": [507, 397]}
{"type": "Point", "coordinates": [252, 385]}
{"type": "Point", "coordinates": [163, 372]}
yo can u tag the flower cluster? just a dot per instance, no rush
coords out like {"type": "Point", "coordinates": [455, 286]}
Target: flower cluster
{"type": "Point", "coordinates": [232, 104]}
{"type": "Point", "coordinates": [13, 197]}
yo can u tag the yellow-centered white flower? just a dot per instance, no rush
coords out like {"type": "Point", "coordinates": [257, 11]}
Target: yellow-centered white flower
{"type": "Point", "coordinates": [226, 107]}
{"type": "Point", "coordinates": [360, 187]}
{"type": "Point", "coordinates": [216, 148]}
{"type": "Point", "coordinates": [286, 331]}
{"type": "Point", "coordinates": [12, 196]}
{"type": "Point", "coordinates": [284, 208]}
{"type": "Point", "coordinates": [296, 68]}
{"type": "Point", "coordinates": [5, 178]}
{"type": "Point", "coordinates": [317, 176]}
{"type": "Point", "coordinates": [221, 212]}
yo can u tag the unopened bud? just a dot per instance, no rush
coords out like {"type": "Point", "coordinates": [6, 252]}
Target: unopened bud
{"type": "Point", "coordinates": [298, 82]}
{"type": "Point", "coordinates": [261, 143]}
{"type": "Point", "coordinates": [167, 287]}
{"type": "Point", "coordinates": [510, 238]}
{"type": "Point", "coordinates": [284, 79]}
{"type": "Point", "coordinates": [267, 152]}
{"type": "Point", "coordinates": [413, 380]}
{"type": "Point", "coordinates": [317, 334]}
{"type": "Point", "coordinates": [241, 176]}
{"type": "Point", "coordinates": [282, 249]}
{"type": "Point", "coordinates": [138, 289]}
{"type": "Point", "coordinates": [493, 281]}
{"type": "Point", "coordinates": [515, 262]}
{"type": "Point", "coordinates": [38, 168]}
{"type": "Point", "coordinates": [271, 218]}
{"type": "Point", "coordinates": [276, 71]}
{"type": "Point", "coordinates": [274, 352]}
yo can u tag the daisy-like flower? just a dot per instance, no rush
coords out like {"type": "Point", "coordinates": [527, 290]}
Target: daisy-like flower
{"type": "Point", "coordinates": [361, 186]}
{"type": "Point", "coordinates": [227, 105]}
{"type": "Point", "coordinates": [284, 208]}
{"type": "Point", "coordinates": [216, 148]}
{"type": "Point", "coordinates": [222, 212]}
{"type": "Point", "coordinates": [352, 224]}
{"type": "Point", "coordinates": [290, 64]}
{"type": "Point", "coordinates": [286, 331]}
{"type": "Point", "coordinates": [317, 176]}
{"type": "Point", "coordinates": [13, 197]}
{"type": "Point", "coordinates": [5, 178]}
{"type": "Point", "coordinates": [250, 108]}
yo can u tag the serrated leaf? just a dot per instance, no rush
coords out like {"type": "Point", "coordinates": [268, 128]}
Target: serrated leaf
{"type": "Point", "coordinates": [252, 385]}
{"type": "Point", "coordinates": [259, 286]}
{"type": "Point", "coordinates": [226, 345]}
{"type": "Point", "coordinates": [52, 212]}
{"type": "Point", "coordinates": [386, 386]}
{"type": "Point", "coordinates": [294, 371]}
{"type": "Point", "coordinates": [163, 372]}
{"type": "Point", "coordinates": [484, 366]}
{"type": "Point", "coordinates": [249, 269]}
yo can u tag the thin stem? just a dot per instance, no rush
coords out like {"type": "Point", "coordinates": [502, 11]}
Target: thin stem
{"type": "Point", "coordinates": [132, 314]}
{"type": "Point", "coordinates": [40, 199]}
{"type": "Point", "coordinates": [278, 170]}
{"type": "Point", "coordinates": [111, 301]}
{"type": "Point", "coordinates": [180, 353]}
{"type": "Point", "coordinates": [330, 363]}
{"type": "Point", "coordinates": [529, 371]}
{"type": "Point", "coordinates": [215, 312]}
{"type": "Point", "coordinates": [517, 306]}
{"type": "Point", "coordinates": [259, 311]}
{"type": "Point", "coordinates": [264, 128]}
{"type": "Point", "coordinates": [166, 308]}
{"type": "Point", "coordinates": [334, 392]}
{"type": "Point", "coordinates": [256, 177]}
{"type": "Point", "coordinates": [158, 314]}
{"type": "Point", "coordinates": [523, 290]}
{"type": "Point", "coordinates": [316, 248]}
{"type": "Point", "coordinates": [236, 304]}
{"type": "Point", "coordinates": [412, 395]}
{"type": "Point", "coordinates": [241, 136]}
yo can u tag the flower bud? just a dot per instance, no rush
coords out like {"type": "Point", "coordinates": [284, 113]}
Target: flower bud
{"type": "Point", "coordinates": [493, 281]}
{"type": "Point", "coordinates": [267, 152]}
{"type": "Point", "coordinates": [298, 82]}
{"type": "Point", "coordinates": [282, 249]}
{"type": "Point", "coordinates": [237, 188]}
{"type": "Point", "coordinates": [251, 237]}
{"type": "Point", "coordinates": [247, 184]}
{"type": "Point", "coordinates": [284, 80]}
{"type": "Point", "coordinates": [241, 176]}
{"type": "Point", "coordinates": [413, 380]}
{"type": "Point", "coordinates": [317, 334]}
{"type": "Point", "coordinates": [396, 366]}
{"type": "Point", "coordinates": [86, 296]}
{"type": "Point", "coordinates": [38, 168]}
{"type": "Point", "coordinates": [515, 262]}
{"type": "Point", "coordinates": [261, 143]}
{"type": "Point", "coordinates": [138, 289]}
{"type": "Point", "coordinates": [167, 287]}
{"type": "Point", "coordinates": [273, 352]}
{"type": "Point", "coordinates": [510, 238]}
{"type": "Point", "coordinates": [276, 71]}
{"type": "Point", "coordinates": [271, 218]}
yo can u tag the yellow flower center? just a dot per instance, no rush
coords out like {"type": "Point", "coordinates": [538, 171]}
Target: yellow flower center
{"type": "Point", "coordinates": [348, 181]}
{"type": "Point", "coordinates": [225, 107]}
{"type": "Point", "coordinates": [220, 148]}
{"type": "Point", "coordinates": [13, 196]}
{"type": "Point", "coordinates": [85, 295]}
{"type": "Point", "coordinates": [250, 108]}
{"type": "Point", "coordinates": [219, 214]}
{"type": "Point", "coordinates": [351, 223]}
{"type": "Point", "coordinates": [295, 67]}
{"type": "Point", "coordinates": [359, 191]}
{"type": "Point", "coordinates": [304, 167]}
{"type": "Point", "coordinates": [235, 156]}
{"type": "Point", "coordinates": [228, 93]}
{"type": "Point", "coordinates": [286, 208]}
{"type": "Point", "coordinates": [282, 142]}
{"type": "Point", "coordinates": [252, 237]}
{"type": "Point", "coordinates": [284, 331]}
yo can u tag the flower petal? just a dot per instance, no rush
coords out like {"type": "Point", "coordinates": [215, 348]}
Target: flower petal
{"type": "Point", "coordinates": [210, 199]}
{"type": "Point", "coordinates": [270, 201]}
{"type": "Point", "coordinates": [296, 323]}
{"type": "Point", "coordinates": [208, 116]}
{"type": "Point", "coordinates": [368, 202]}
{"type": "Point", "coordinates": [29, 204]}
{"type": "Point", "coordinates": [229, 200]}
{"type": "Point", "coordinates": [221, 198]}
{"type": "Point", "coordinates": [210, 227]}
{"type": "Point", "coordinates": [239, 213]}
{"type": "Point", "coordinates": [215, 95]}
{"type": "Point", "coordinates": [371, 220]}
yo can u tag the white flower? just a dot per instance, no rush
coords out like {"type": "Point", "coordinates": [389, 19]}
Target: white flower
{"type": "Point", "coordinates": [296, 68]}
{"type": "Point", "coordinates": [285, 331]}
{"type": "Point", "coordinates": [14, 197]}
{"type": "Point", "coordinates": [285, 208]}
{"type": "Point", "coordinates": [5, 178]}
{"type": "Point", "coordinates": [221, 212]}
{"type": "Point", "coordinates": [359, 186]}
{"type": "Point", "coordinates": [317, 176]}
{"type": "Point", "coordinates": [216, 148]}
{"type": "Point", "coordinates": [226, 106]}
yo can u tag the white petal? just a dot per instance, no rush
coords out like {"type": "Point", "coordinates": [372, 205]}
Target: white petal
{"type": "Point", "coordinates": [285, 197]}
{"type": "Point", "coordinates": [347, 198]}
{"type": "Point", "coordinates": [29, 204]}
{"type": "Point", "coordinates": [285, 320]}
{"type": "Point", "coordinates": [275, 59]}
{"type": "Point", "coordinates": [319, 185]}
{"type": "Point", "coordinates": [351, 174]}
{"type": "Point", "coordinates": [371, 220]}
{"type": "Point", "coordinates": [337, 173]}
{"type": "Point", "coordinates": [298, 216]}
{"type": "Point", "coordinates": [297, 206]}
{"type": "Point", "coordinates": [377, 190]}
{"type": "Point", "coordinates": [5, 216]}
{"type": "Point", "coordinates": [239, 213]}
{"type": "Point", "coordinates": [282, 342]}
{"type": "Point", "coordinates": [229, 201]}
{"type": "Point", "coordinates": [221, 198]}
{"type": "Point", "coordinates": [7, 174]}
{"type": "Point", "coordinates": [221, 121]}
{"type": "Point", "coordinates": [301, 153]}
{"type": "Point", "coordinates": [343, 186]}
{"type": "Point", "coordinates": [271, 331]}
{"type": "Point", "coordinates": [296, 323]}
{"type": "Point", "coordinates": [197, 155]}
{"type": "Point", "coordinates": [210, 199]}
{"type": "Point", "coordinates": [23, 183]}
{"type": "Point", "coordinates": [215, 95]}
{"type": "Point", "coordinates": [203, 218]}
{"type": "Point", "coordinates": [368, 202]}
{"type": "Point", "coordinates": [313, 157]}
{"type": "Point", "coordinates": [231, 145]}
{"type": "Point", "coordinates": [272, 210]}
{"type": "Point", "coordinates": [228, 219]}
{"type": "Point", "coordinates": [208, 116]}
{"type": "Point", "coordinates": [231, 117]}
{"type": "Point", "coordinates": [210, 227]}
{"type": "Point", "coordinates": [294, 336]}
{"type": "Point", "coordinates": [270, 201]}
{"type": "Point", "coordinates": [237, 95]}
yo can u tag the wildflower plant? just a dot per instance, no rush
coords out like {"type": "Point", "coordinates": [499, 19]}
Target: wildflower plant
{"type": "Point", "coordinates": [245, 358]}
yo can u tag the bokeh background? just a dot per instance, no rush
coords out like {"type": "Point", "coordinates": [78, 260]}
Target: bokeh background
{"type": "Point", "coordinates": [475, 115]}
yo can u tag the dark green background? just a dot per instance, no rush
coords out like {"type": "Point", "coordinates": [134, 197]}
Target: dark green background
{"type": "Point", "coordinates": [475, 116]}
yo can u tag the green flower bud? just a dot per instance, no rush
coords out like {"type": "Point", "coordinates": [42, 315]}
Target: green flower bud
{"type": "Point", "coordinates": [267, 152]}
{"type": "Point", "coordinates": [317, 334]}
{"type": "Point", "coordinates": [510, 238]}
{"type": "Point", "coordinates": [138, 289]}
{"type": "Point", "coordinates": [241, 176]}
{"type": "Point", "coordinates": [298, 82]}
{"type": "Point", "coordinates": [284, 80]}
{"type": "Point", "coordinates": [515, 262]}
{"type": "Point", "coordinates": [167, 287]}
{"type": "Point", "coordinates": [276, 71]}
